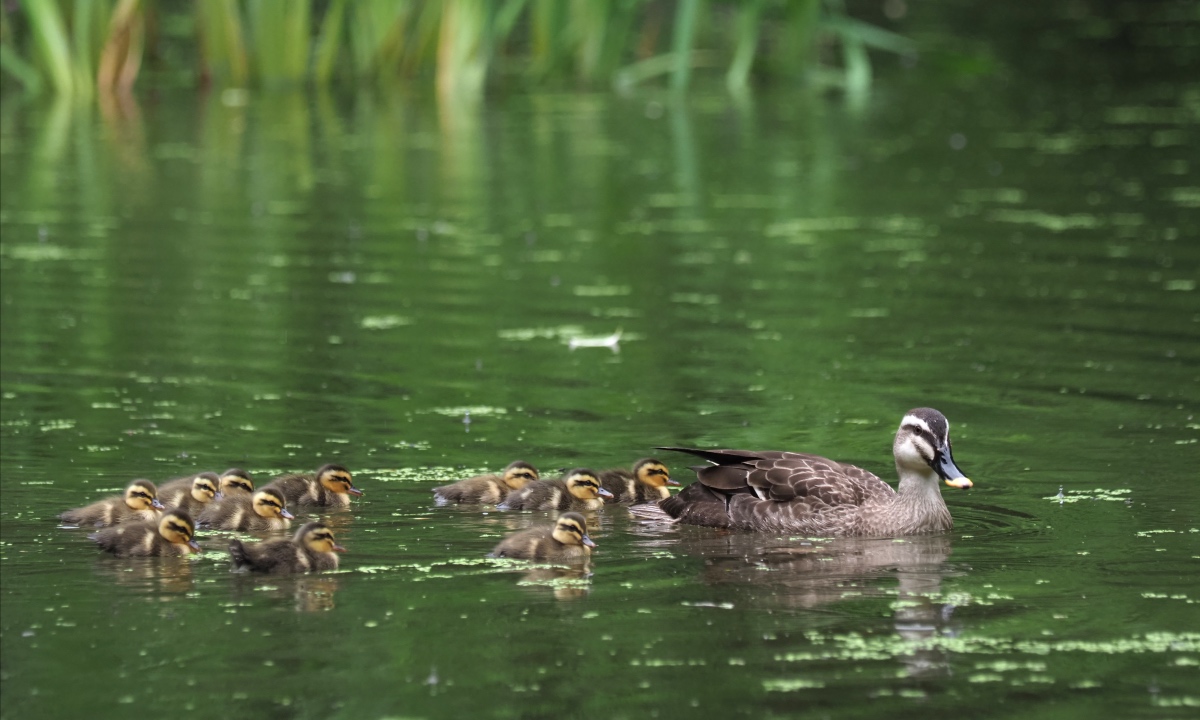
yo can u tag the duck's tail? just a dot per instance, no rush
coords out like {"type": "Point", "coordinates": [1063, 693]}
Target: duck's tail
{"type": "Point", "coordinates": [237, 552]}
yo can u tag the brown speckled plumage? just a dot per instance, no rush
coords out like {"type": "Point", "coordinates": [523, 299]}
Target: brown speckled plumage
{"type": "Point", "coordinates": [800, 493]}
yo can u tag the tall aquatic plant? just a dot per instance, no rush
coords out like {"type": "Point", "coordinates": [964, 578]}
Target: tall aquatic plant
{"type": "Point", "coordinates": [76, 46]}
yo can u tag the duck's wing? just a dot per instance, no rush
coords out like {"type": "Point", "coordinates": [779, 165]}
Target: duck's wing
{"type": "Point", "coordinates": [786, 476]}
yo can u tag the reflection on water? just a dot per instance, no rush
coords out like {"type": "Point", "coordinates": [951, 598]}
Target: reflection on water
{"type": "Point", "coordinates": [165, 579]}
{"type": "Point", "coordinates": [303, 592]}
{"type": "Point", "coordinates": [801, 573]}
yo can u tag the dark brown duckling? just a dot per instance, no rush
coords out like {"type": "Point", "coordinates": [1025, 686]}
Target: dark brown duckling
{"type": "Point", "coordinates": [171, 535]}
{"type": "Point", "coordinates": [646, 483]}
{"type": "Point", "coordinates": [236, 480]}
{"type": "Point", "coordinates": [564, 541]}
{"type": "Point", "coordinates": [263, 511]}
{"type": "Point", "coordinates": [487, 489]}
{"type": "Point", "coordinates": [138, 502]}
{"type": "Point", "coordinates": [190, 493]}
{"type": "Point", "coordinates": [330, 486]}
{"type": "Point", "coordinates": [311, 549]}
{"type": "Point", "coordinates": [577, 490]}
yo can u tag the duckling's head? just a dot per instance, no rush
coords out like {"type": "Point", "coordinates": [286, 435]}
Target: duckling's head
{"type": "Point", "coordinates": [922, 447]}
{"type": "Point", "coordinates": [177, 527]}
{"type": "Point", "coordinates": [518, 474]}
{"type": "Point", "coordinates": [142, 495]}
{"type": "Point", "coordinates": [571, 529]}
{"type": "Point", "coordinates": [318, 538]}
{"type": "Point", "coordinates": [205, 487]}
{"type": "Point", "coordinates": [269, 503]}
{"type": "Point", "coordinates": [236, 480]}
{"type": "Point", "coordinates": [584, 484]}
{"type": "Point", "coordinates": [336, 479]}
{"type": "Point", "coordinates": [652, 472]}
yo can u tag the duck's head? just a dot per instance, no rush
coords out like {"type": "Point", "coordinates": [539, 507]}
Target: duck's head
{"type": "Point", "coordinates": [571, 529]}
{"type": "Point", "coordinates": [336, 479]}
{"type": "Point", "coordinates": [584, 484]}
{"type": "Point", "coordinates": [177, 527]}
{"type": "Point", "coordinates": [922, 447]}
{"type": "Point", "coordinates": [317, 538]}
{"type": "Point", "coordinates": [142, 495]}
{"type": "Point", "coordinates": [205, 487]}
{"type": "Point", "coordinates": [518, 474]}
{"type": "Point", "coordinates": [236, 480]}
{"type": "Point", "coordinates": [652, 472]}
{"type": "Point", "coordinates": [269, 503]}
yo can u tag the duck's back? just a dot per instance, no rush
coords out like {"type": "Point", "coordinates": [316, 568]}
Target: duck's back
{"type": "Point", "coordinates": [777, 491]}
{"type": "Point", "coordinates": [537, 544]}
{"type": "Point", "coordinates": [110, 511]}
{"type": "Point", "coordinates": [482, 489]}
{"type": "Point", "coordinates": [236, 512]}
{"type": "Point", "coordinates": [278, 556]}
{"type": "Point", "coordinates": [136, 539]}
{"type": "Point", "coordinates": [539, 495]}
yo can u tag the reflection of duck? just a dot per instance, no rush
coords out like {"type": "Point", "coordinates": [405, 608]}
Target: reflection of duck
{"type": "Point", "coordinates": [578, 490]}
{"type": "Point", "coordinates": [263, 511]}
{"type": "Point", "coordinates": [781, 572]}
{"type": "Point", "coordinates": [138, 502]}
{"type": "Point", "coordinates": [328, 486]}
{"type": "Point", "coordinates": [799, 493]}
{"type": "Point", "coordinates": [311, 549]}
{"type": "Point", "coordinates": [190, 493]}
{"type": "Point", "coordinates": [568, 583]}
{"type": "Point", "coordinates": [490, 488]}
{"type": "Point", "coordinates": [646, 483]}
{"type": "Point", "coordinates": [564, 541]}
{"type": "Point", "coordinates": [171, 535]}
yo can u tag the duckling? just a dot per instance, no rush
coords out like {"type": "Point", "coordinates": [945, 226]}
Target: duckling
{"type": "Point", "coordinates": [487, 489]}
{"type": "Point", "coordinates": [330, 485]}
{"type": "Point", "coordinates": [263, 511]}
{"type": "Point", "coordinates": [564, 541]}
{"type": "Point", "coordinates": [646, 483]}
{"type": "Point", "coordinates": [577, 490]}
{"type": "Point", "coordinates": [190, 493]}
{"type": "Point", "coordinates": [171, 535]}
{"type": "Point", "coordinates": [138, 502]}
{"type": "Point", "coordinates": [311, 549]}
{"type": "Point", "coordinates": [236, 480]}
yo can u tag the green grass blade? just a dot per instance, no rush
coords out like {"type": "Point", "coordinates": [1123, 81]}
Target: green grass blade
{"type": "Point", "coordinates": [683, 39]}
{"type": "Point", "coordinates": [329, 43]}
{"type": "Point", "coordinates": [749, 16]}
{"type": "Point", "coordinates": [50, 38]}
{"type": "Point", "coordinates": [26, 74]}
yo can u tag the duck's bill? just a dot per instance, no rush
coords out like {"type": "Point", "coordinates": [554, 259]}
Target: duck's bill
{"type": "Point", "coordinates": [195, 546]}
{"type": "Point", "coordinates": [676, 483]}
{"type": "Point", "coordinates": [157, 505]}
{"type": "Point", "coordinates": [944, 466]}
{"type": "Point", "coordinates": [218, 496]}
{"type": "Point", "coordinates": [588, 542]}
{"type": "Point", "coordinates": [286, 515]}
{"type": "Point", "coordinates": [339, 548]}
{"type": "Point", "coordinates": [604, 493]}
{"type": "Point", "coordinates": [355, 492]}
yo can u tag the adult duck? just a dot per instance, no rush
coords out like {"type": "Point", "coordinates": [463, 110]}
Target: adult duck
{"type": "Point", "coordinates": [791, 492]}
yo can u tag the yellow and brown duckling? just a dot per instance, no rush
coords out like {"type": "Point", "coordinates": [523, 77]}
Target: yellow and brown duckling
{"type": "Point", "coordinates": [311, 549]}
{"type": "Point", "coordinates": [487, 489]}
{"type": "Point", "coordinates": [578, 490]}
{"type": "Point", "coordinates": [172, 534]}
{"type": "Point", "coordinates": [236, 480]}
{"type": "Point", "coordinates": [138, 502]}
{"type": "Point", "coordinates": [329, 486]}
{"type": "Point", "coordinates": [646, 483]}
{"type": "Point", "coordinates": [190, 493]}
{"type": "Point", "coordinates": [263, 511]}
{"type": "Point", "coordinates": [564, 541]}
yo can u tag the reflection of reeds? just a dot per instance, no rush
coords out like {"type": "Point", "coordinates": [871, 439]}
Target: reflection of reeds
{"type": "Point", "coordinates": [458, 42]}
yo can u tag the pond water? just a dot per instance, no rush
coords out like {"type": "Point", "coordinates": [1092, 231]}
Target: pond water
{"type": "Point", "coordinates": [197, 281]}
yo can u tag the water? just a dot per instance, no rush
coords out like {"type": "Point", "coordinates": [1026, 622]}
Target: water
{"type": "Point", "coordinates": [199, 281]}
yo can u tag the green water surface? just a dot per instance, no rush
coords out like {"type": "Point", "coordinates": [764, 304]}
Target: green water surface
{"type": "Point", "coordinates": [274, 281]}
